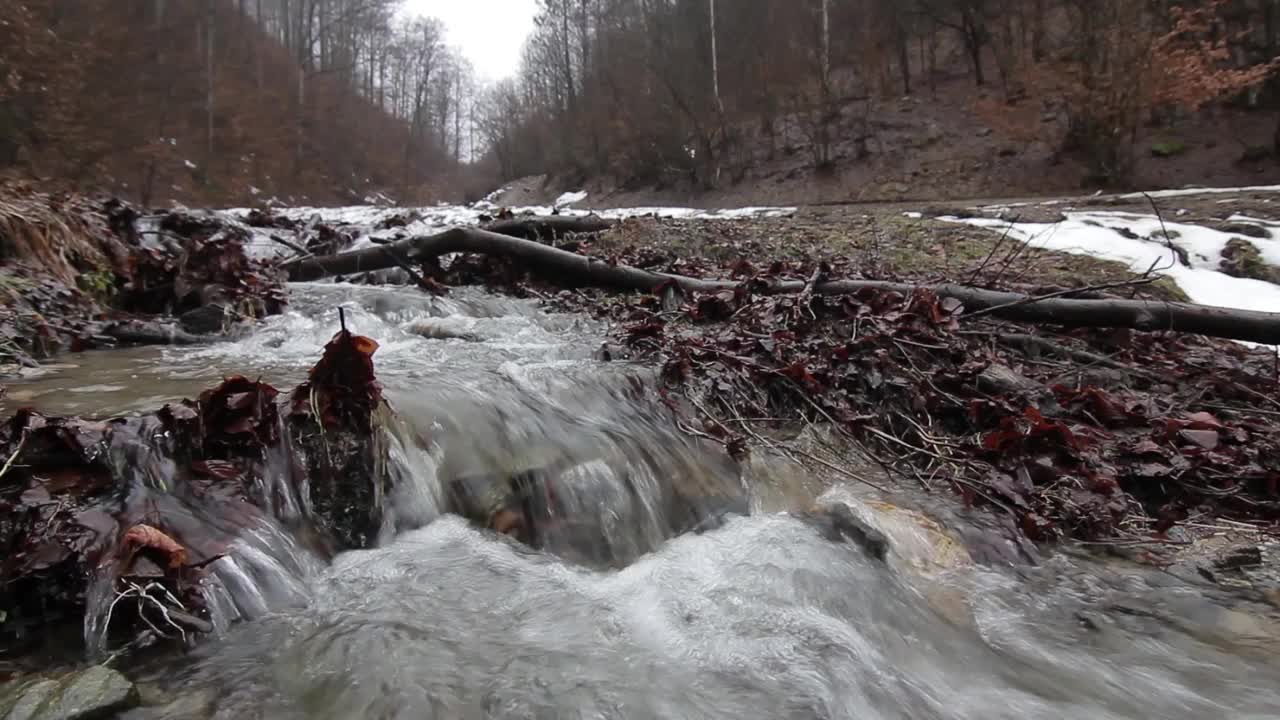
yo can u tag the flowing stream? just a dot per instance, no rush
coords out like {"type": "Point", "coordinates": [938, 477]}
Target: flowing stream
{"type": "Point", "coordinates": [757, 614]}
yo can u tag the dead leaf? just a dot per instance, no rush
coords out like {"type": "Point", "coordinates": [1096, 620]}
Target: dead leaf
{"type": "Point", "coordinates": [143, 537]}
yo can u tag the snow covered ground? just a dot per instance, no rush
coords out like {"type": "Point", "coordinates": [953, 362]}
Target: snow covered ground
{"type": "Point", "coordinates": [1137, 240]}
{"type": "Point", "coordinates": [1132, 238]}
{"type": "Point", "coordinates": [433, 219]}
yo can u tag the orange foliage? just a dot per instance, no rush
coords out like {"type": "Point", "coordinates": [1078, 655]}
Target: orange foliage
{"type": "Point", "coordinates": [144, 537]}
{"type": "Point", "coordinates": [1191, 64]}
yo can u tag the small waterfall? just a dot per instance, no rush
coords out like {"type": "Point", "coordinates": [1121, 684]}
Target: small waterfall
{"type": "Point", "coordinates": [651, 561]}
{"type": "Point", "coordinates": [581, 454]}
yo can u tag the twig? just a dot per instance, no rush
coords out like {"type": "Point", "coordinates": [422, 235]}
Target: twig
{"type": "Point", "coordinates": [16, 452]}
{"type": "Point", "coordinates": [994, 248]}
{"type": "Point", "coordinates": [1081, 356]}
{"type": "Point", "coordinates": [302, 251]}
{"type": "Point", "coordinates": [1014, 254]}
{"type": "Point", "coordinates": [417, 277]}
{"type": "Point", "coordinates": [1242, 411]}
{"type": "Point", "coordinates": [1130, 543]}
{"type": "Point", "coordinates": [788, 450]}
{"type": "Point", "coordinates": [836, 468]}
{"type": "Point", "coordinates": [1168, 241]}
{"type": "Point", "coordinates": [1049, 296]}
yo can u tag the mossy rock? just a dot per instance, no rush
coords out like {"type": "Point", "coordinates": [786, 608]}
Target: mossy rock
{"type": "Point", "coordinates": [1168, 148]}
{"type": "Point", "coordinates": [1240, 258]}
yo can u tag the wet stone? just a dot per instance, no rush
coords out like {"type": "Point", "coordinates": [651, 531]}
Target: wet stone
{"type": "Point", "coordinates": [96, 692]}
{"type": "Point", "coordinates": [1240, 558]}
{"type": "Point", "coordinates": [205, 320]}
{"type": "Point", "coordinates": [838, 523]}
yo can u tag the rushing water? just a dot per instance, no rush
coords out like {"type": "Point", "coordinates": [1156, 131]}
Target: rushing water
{"type": "Point", "coordinates": [762, 617]}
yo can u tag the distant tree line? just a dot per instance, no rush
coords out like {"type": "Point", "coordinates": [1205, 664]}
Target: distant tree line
{"type": "Point", "coordinates": [668, 90]}
{"type": "Point", "coordinates": [231, 99]}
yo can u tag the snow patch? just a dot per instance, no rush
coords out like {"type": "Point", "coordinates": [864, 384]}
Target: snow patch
{"type": "Point", "coordinates": [1138, 242]}
{"type": "Point", "coordinates": [570, 198]}
{"type": "Point", "coordinates": [1181, 192]}
{"type": "Point", "coordinates": [190, 165]}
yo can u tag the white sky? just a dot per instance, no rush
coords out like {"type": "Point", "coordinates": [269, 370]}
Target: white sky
{"type": "Point", "coordinates": [490, 33]}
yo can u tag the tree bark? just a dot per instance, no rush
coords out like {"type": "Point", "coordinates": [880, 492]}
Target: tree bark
{"type": "Point", "coordinates": [209, 38]}
{"type": "Point", "coordinates": [571, 269]}
{"type": "Point", "coordinates": [549, 228]}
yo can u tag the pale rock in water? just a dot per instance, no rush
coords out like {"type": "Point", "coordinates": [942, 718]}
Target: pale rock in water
{"type": "Point", "coordinates": [95, 692]}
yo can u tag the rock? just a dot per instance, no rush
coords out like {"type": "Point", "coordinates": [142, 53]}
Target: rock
{"type": "Point", "coordinates": [1105, 378]}
{"type": "Point", "coordinates": [612, 352]}
{"type": "Point", "coordinates": [1241, 258]}
{"type": "Point", "coordinates": [1245, 229]}
{"type": "Point", "coordinates": [984, 132]}
{"type": "Point", "coordinates": [1002, 380]}
{"type": "Point", "coordinates": [939, 211]}
{"type": "Point", "coordinates": [96, 692]}
{"type": "Point", "coordinates": [1190, 572]}
{"type": "Point", "coordinates": [443, 329]}
{"type": "Point", "coordinates": [206, 320]}
{"type": "Point", "coordinates": [709, 513]}
{"type": "Point", "coordinates": [191, 704]}
{"type": "Point", "coordinates": [837, 523]}
{"type": "Point", "coordinates": [1240, 558]}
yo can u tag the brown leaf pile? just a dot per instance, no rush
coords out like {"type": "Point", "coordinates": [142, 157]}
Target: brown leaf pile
{"type": "Point", "coordinates": [1158, 427]}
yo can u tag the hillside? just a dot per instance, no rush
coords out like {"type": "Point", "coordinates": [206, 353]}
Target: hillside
{"type": "Point", "coordinates": [868, 100]}
{"type": "Point", "coordinates": [228, 102]}
{"type": "Point", "coordinates": [937, 146]}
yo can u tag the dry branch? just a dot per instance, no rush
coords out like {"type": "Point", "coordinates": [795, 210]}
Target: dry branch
{"type": "Point", "coordinates": [570, 269]}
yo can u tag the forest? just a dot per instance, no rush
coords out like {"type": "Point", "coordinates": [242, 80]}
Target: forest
{"type": "Point", "coordinates": [695, 88]}
{"type": "Point", "coordinates": [232, 100]}
{"type": "Point", "coordinates": [343, 100]}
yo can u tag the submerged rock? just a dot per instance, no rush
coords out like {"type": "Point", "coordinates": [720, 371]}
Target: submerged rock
{"type": "Point", "coordinates": [837, 523]}
{"type": "Point", "coordinates": [96, 692]}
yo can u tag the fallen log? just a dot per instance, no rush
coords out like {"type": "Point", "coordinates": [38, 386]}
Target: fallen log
{"type": "Point", "coordinates": [574, 270]}
{"type": "Point", "coordinates": [548, 227]}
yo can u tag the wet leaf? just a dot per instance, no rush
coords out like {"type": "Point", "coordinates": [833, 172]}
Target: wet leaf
{"type": "Point", "coordinates": [145, 537]}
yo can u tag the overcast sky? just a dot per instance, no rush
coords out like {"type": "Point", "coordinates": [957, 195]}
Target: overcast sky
{"type": "Point", "coordinates": [490, 33]}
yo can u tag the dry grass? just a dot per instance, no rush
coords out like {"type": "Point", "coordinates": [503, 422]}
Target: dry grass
{"type": "Point", "coordinates": [63, 238]}
{"type": "Point", "coordinates": [878, 244]}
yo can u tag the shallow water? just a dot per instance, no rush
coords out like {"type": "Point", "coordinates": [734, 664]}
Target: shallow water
{"type": "Point", "coordinates": [761, 618]}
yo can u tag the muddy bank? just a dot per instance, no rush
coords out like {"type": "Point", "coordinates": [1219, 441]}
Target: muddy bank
{"type": "Point", "coordinates": [79, 273]}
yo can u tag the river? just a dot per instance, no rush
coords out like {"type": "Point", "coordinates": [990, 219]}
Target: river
{"type": "Point", "coordinates": [760, 617]}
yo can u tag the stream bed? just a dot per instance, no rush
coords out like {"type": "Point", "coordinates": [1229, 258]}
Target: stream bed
{"type": "Point", "coordinates": [765, 616]}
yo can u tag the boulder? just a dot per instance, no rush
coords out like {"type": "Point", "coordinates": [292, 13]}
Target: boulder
{"type": "Point", "coordinates": [96, 692]}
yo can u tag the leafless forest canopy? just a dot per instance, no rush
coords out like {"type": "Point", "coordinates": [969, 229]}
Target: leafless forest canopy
{"type": "Point", "coordinates": [336, 100]}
